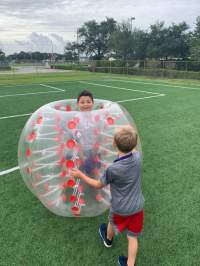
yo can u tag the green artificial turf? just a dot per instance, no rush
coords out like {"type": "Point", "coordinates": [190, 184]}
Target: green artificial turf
{"type": "Point", "coordinates": [169, 128]}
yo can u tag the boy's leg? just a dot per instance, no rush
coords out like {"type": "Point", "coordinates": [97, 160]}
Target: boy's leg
{"type": "Point", "coordinates": [103, 234]}
{"type": "Point", "coordinates": [110, 232]}
{"type": "Point", "coordinates": [132, 250]}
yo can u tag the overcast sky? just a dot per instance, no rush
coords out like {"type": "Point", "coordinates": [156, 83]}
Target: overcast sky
{"type": "Point", "coordinates": [46, 25]}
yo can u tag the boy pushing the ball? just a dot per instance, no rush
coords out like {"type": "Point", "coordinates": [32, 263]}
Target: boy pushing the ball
{"type": "Point", "coordinates": [127, 202]}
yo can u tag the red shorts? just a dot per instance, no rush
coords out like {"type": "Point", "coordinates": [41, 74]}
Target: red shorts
{"type": "Point", "coordinates": [132, 223]}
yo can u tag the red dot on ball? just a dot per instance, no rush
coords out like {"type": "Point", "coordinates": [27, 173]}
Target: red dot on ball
{"type": "Point", "coordinates": [71, 125]}
{"type": "Point", "coordinates": [110, 120]}
{"type": "Point", "coordinates": [63, 173]}
{"type": "Point", "coordinates": [28, 152]}
{"type": "Point", "coordinates": [71, 183]}
{"type": "Point", "coordinates": [68, 108]}
{"type": "Point", "coordinates": [39, 120]}
{"type": "Point", "coordinates": [81, 201]}
{"type": "Point", "coordinates": [38, 177]}
{"type": "Point", "coordinates": [29, 170]}
{"type": "Point", "coordinates": [70, 143]}
{"type": "Point", "coordinates": [72, 198]}
{"type": "Point", "coordinates": [46, 186]}
{"type": "Point", "coordinates": [31, 136]}
{"type": "Point", "coordinates": [70, 164]}
{"type": "Point", "coordinates": [64, 198]}
{"type": "Point", "coordinates": [80, 189]}
{"type": "Point", "coordinates": [63, 185]}
{"type": "Point", "coordinates": [97, 118]}
{"type": "Point", "coordinates": [96, 131]}
{"type": "Point", "coordinates": [96, 145]}
{"type": "Point", "coordinates": [61, 161]}
{"type": "Point", "coordinates": [99, 197]}
{"type": "Point", "coordinates": [75, 210]}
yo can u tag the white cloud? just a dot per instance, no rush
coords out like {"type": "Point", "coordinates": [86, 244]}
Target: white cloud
{"type": "Point", "coordinates": [47, 18]}
{"type": "Point", "coordinates": [35, 42]}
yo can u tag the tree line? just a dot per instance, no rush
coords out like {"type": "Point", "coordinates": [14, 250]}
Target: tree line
{"type": "Point", "coordinates": [111, 39]}
{"type": "Point", "coordinates": [30, 57]}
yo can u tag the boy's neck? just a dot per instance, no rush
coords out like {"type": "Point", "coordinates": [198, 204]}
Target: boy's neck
{"type": "Point", "coordinates": [121, 154]}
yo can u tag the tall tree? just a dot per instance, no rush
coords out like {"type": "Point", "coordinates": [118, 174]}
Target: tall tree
{"type": "Point", "coordinates": [171, 42]}
{"type": "Point", "coordinates": [157, 40]}
{"type": "Point", "coordinates": [2, 56]}
{"type": "Point", "coordinates": [140, 43]}
{"type": "Point", "coordinates": [195, 41]}
{"type": "Point", "coordinates": [71, 51]}
{"type": "Point", "coordinates": [128, 44]}
{"type": "Point", "coordinates": [122, 42]}
{"type": "Point", "coordinates": [95, 37]}
{"type": "Point", "coordinates": [177, 40]}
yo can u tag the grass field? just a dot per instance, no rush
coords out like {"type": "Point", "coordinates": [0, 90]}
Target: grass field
{"type": "Point", "coordinates": [167, 115]}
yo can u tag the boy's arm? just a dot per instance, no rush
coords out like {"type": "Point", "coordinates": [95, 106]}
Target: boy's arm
{"type": "Point", "coordinates": [90, 181]}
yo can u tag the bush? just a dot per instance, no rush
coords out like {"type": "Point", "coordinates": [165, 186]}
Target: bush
{"type": "Point", "coordinates": [5, 68]}
{"type": "Point", "coordinates": [154, 72]}
{"type": "Point", "coordinates": [72, 67]}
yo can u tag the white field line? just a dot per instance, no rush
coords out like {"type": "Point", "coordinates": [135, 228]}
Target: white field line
{"type": "Point", "coordinates": [107, 78]}
{"type": "Point", "coordinates": [25, 94]}
{"type": "Point", "coordinates": [9, 170]}
{"type": "Point", "coordinates": [62, 81]}
{"type": "Point", "coordinates": [142, 98]}
{"type": "Point", "coordinates": [55, 88]}
{"type": "Point", "coordinates": [12, 116]}
{"type": "Point", "coordinates": [118, 88]}
{"type": "Point", "coordinates": [23, 84]}
{"type": "Point", "coordinates": [155, 84]}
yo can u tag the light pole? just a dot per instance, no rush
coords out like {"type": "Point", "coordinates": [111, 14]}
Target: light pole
{"type": "Point", "coordinates": [132, 18]}
{"type": "Point", "coordinates": [77, 41]}
{"type": "Point", "coordinates": [52, 55]}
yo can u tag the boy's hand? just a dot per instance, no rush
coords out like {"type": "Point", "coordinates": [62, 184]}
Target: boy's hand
{"type": "Point", "coordinates": [90, 181]}
{"type": "Point", "coordinates": [76, 173]}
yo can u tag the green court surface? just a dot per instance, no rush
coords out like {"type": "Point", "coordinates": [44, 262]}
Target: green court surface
{"type": "Point", "coordinates": [167, 115]}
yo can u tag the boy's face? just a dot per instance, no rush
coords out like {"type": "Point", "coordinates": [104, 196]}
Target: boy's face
{"type": "Point", "coordinates": [85, 103]}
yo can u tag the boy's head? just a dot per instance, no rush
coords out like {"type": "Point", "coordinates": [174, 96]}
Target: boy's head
{"type": "Point", "coordinates": [125, 139]}
{"type": "Point", "coordinates": [85, 101]}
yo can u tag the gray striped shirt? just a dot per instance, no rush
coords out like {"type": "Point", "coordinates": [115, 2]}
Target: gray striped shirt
{"type": "Point", "coordinates": [124, 177]}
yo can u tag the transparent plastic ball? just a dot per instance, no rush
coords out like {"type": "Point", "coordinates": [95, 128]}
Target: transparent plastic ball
{"type": "Point", "coordinates": [58, 137]}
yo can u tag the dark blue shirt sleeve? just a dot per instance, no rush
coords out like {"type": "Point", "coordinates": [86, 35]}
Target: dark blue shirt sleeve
{"type": "Point", "coordinates": [106, 177]}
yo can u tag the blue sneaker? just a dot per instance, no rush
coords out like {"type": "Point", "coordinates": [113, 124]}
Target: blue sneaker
{"type": "Point", "coordinates": [122, 261]}
{"type": "Point", "coordinates": [103, 235]}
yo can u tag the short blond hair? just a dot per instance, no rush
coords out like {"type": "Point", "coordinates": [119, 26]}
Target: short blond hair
{"type": "Point", "coordinates": [125, 138]}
